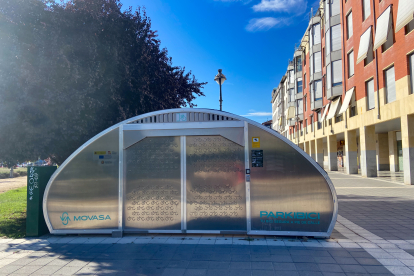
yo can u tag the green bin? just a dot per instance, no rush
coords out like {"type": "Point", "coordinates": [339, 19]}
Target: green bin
{"type": "Point", "coordinates": [37, 178]}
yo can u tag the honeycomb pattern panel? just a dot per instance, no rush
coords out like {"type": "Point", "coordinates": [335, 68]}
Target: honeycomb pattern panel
{"type": "Point", "coordinates": [153, 184]}
{"type": "Point", "coordinates": [216, 193]}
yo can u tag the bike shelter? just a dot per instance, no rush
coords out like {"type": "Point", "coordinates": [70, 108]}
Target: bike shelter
{"type": "Point", "coordinates": [190, 171]}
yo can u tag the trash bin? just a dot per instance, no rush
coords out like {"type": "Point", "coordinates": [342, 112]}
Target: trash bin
{"type": "Point", "coordinates": [37, 178]}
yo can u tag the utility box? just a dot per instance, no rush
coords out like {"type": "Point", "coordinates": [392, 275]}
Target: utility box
{"type": "Point", "coordinates": [37, 178]}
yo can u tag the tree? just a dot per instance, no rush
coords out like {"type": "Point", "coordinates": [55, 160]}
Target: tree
{"type": "Point", "coordinates": [69, 71]}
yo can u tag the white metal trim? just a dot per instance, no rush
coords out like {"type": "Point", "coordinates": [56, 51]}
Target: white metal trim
{"type": "Point", "coordinates": [183, 184]}
{"type": "Point", "coordinates": [247, 166]}
{"type": "Point", "coordinates": [121, 179]}
{"type": "Point", "coordinates": [192, 125]}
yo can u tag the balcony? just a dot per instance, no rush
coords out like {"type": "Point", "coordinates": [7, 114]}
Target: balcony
{"type": "Point", "coordinates": [316, 105]}
{"type": "Point", "coordinates": [334, 92]}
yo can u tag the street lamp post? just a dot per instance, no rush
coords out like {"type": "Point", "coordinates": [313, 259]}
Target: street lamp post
{"type": "Point", "coordinates": [220, 78]}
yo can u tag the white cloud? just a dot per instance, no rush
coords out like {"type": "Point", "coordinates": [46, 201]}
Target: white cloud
{"type": "Point", "coordinates": [289, 6]}
{"type": "Point", "coordinates": [265, 23]}
{"type": "Point", "coordinates": [258, 114]}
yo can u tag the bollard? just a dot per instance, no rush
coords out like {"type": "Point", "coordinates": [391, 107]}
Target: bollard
{"type": "Point", "coordinates": [37, 178]}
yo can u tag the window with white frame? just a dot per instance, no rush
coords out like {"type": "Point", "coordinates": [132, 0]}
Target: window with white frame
{"type": "Point", "coordinates": [336, 73]}
{"type": "Point", "coordinates": [389, 77]}
{"type": "Point", "coordinates": [349, 26]}
{"type": "Point", "coordinates": [317, 63]}
{"type": "Point", "coordinates": [369, 88]}
{"type": "Point", "coordinates": [366, 9]}
{"type": "Point", "coordinates": [350, 64]}
{"type": "Point", "coordinates": [300, 106]}
{"type": "Point", "coordinates": [336, 37]}
{"type": "Point", "coordinates": [317, 86]}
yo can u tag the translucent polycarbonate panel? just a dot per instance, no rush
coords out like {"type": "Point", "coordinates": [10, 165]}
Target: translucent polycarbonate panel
{"type": "Point", "coordinates": [153, 184]}
{"type": "Point", "coordinates": [84, 195]}
{"type": "Point", "coordinates": [288, 193]}
{"type": "Point", "coordinates": [216, 191]}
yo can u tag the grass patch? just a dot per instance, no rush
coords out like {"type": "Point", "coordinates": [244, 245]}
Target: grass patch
{"type": "Point", "coordinates": [13, 213]}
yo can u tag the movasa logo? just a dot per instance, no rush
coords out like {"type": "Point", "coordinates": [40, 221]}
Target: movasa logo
{"type": "Point", "coordinates": [65, 218]}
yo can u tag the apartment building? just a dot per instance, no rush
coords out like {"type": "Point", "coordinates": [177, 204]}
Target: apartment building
{"type": "Point", "coordinates": [347, 96]}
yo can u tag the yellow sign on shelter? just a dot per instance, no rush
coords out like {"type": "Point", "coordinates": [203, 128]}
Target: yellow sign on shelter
{"type": "Point", "coordinates": [255, 142]}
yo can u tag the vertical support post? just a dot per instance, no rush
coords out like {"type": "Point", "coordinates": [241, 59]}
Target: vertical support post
{"type": "Point", "coordinates": [121, 182]}
{"type": "Point", "coordinates": [183, 185]}
{"type": "Point", "coordinates": [319, 151]}
{"type": "Point", "coordinates": [312, 149]}
{"type": "Point", "coordinates": [407, 136]}
{"type": "Point", "coordinates": [332, 153]}
{"type": "Point", "coordinates": [351, 152]}
{"type": "Point", "coordinates": [247, 177]}
{"type": "Point", "coordinates": [368, 151]}
{"type": "Point", "coordinates": [392, 151]}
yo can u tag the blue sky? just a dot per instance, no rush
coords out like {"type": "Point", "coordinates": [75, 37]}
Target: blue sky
{"type": "Point", "coordinates": [251, 40]}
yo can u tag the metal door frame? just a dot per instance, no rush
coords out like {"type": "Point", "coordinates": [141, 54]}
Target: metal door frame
{"type": "Point", "coordinates": [177, 126]}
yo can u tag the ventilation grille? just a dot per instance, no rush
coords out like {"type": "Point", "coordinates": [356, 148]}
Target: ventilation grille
{"type": "Point", "coordinates": [183, 117]}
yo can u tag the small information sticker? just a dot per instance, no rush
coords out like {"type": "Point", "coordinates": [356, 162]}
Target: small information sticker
{"type": "Point", "coordinates": [256, 142]}
{"type": "Point", "coordinates": [257, 158]}
{"type": "Point", "coordinates": [181, 117]}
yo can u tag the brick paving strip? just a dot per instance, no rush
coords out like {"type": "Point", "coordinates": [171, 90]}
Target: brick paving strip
{"type": "Point", "coordinates": [352, 250]}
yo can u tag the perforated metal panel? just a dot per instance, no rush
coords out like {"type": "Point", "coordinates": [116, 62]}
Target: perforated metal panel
{"type": "Point", "coordinates": [153, 184]}
{"type": "Point", "coordinates": [216, 195]}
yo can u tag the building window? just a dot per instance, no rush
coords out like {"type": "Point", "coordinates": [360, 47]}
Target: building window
{"type": "Point", "coordinates": [292, 95]}
{"type": "Point", "coordinates": [317, 62]}
{"type": "Point", "coordinates": [411, 63]}
{"type": "Point", "coordinates": [299, 85]}
{"type": "Point", "coordinates": [336, 38]}
{"type": "Point", "coordinates": [311, 123]}
{"type": "Point", "coordinates": [328, 77]}
{"type": "Point", "coordinates": [306, 103]}
{"type": "Point", "coordinates": [316, 32]}
{"type": "Point", "coordinates": [306, 126]}
{"type": "Point", "coordinates": [304, 80]}
{"type": "Point", "coordinates": [323, 57]}
{"type": "Point", "coordinates": [409, 27]}
{"type": "Point", "coordinates": [366, 9]}
{"type": "Point", "coordinates": [298, 64]}
{"type": "Point", "coordinates": [317, 86]}
{"type": "Point", "coordinates": [327, 42]}
{"type": "Point", "coordinates": [352, 111]}
{"type": "Point", "coordinates": [336, 73]}
{"type": "Point", "coordinates": [311, 70]}
{"type": "Point", "coordinates": [319, 118]}
{"type": "Point", "coordinates": [389, 77]}
{"type": "Point", "coordinates": [349, 26]}
{"type": "Point", "coordinates": [300, 106]}
{"type": "Point", "coordinates": [334, 7]}
{"type": "Point", "coordinates": [291, 76]}
{"type": "Point", "coordinates": [351, 64]}
{"type": "Point", "coordinates": [369, 88]}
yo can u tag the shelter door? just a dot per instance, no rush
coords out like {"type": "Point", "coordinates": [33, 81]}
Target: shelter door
{"type": "Point", "coordinates": [153, 184]}
{"type": "Point", "coordinates": [215, 184]}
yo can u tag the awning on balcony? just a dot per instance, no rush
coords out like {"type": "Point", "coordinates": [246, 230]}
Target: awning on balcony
{"type": "Point", "coordinates": [383, 28]}
{"type": "Point", "coordinates": [291, 112]}
{"type": "Point", "coordinates": [334, 108]}
{"type": "Point", "coordinates": [324, 113]}
{"type": "Point", "coordinates": [405, 13]}
{"type": "Point", "coordinates": [364, 44]}
{"type": "Point", "coordinates": [280, 121]}
{"type": "Point", "coordinates": [347, 100]}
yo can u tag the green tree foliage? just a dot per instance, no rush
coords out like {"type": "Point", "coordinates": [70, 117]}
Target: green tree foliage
{"type": "Point", "coordinates": [70, 70]}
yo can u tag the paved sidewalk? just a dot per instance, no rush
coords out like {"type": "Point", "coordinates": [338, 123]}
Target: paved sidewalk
{"type": "Point", "coordinates": [373, 236]}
